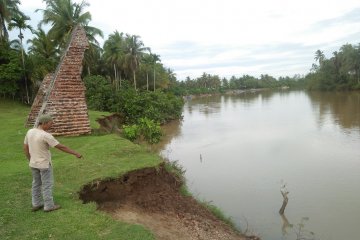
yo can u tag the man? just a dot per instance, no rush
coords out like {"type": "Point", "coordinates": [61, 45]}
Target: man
{"type": "Point", "coordinates": [36, 147]}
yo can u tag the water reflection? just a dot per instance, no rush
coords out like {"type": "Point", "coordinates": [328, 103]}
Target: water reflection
{"type": "Point", "coordinates": [205, 105]}
{"type": "Point", "coordinates": [247, 99]}
{"type": "Point", "coordinates": [341, 108]}
{"type": "Point", "coordinates": [285, 225]}
{"type": "Point", "coordinates": [170, 131]}
{"type": "Point", "coordinates": [299, 231]}
{"type": "Point", "coordinates": [236, 148]}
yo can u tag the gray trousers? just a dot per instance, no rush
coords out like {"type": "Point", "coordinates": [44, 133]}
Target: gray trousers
{"type": "Point", "coordinates": [42, 184]}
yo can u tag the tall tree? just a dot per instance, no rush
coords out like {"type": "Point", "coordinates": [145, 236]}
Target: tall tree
{"type": "Point", "coordinates": [154, 59]}
{"type": "Point", "coordinates": [114, 55]}
{"type": "Point", "coordinates": [42, 45]}
{"type": "Point", "coordinates": [172, 76]}
{"type": "Point", "coordinates": [350, 56]}
{"type": "Point", "coordinates": [319, 56]}
{"type": "Point", "coordinates": [92, 59]}
{"type": "Point", "coordinates": [64, 16]}
{"type": "Point", "coordinates": [8, 9]}
{"type": "Point", "coordinates": [134, 52]}
{"type": "Point", "coordinates": [147, 64]}
{"type": "Point", "coordinates": [43, 53]}
{"type": "Point", "coordinates": [10, 70]}
{"type": "Point", "coordinates": [19, 22]}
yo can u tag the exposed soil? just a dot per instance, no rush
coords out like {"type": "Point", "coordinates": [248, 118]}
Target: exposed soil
{"type": "Point", "coordinates": [151, 197]}
{"type": "Point", "coordinates": [111, 123]}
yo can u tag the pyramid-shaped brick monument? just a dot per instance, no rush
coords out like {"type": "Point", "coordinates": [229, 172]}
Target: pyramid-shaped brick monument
{"type": "Point", "coordinates": [62, 94]}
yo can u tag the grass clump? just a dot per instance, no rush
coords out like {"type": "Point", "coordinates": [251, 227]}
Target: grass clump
{"type": "Point", "coordinates": [176, 169]}
{"type": "Point", "coordinates": [104, 156]}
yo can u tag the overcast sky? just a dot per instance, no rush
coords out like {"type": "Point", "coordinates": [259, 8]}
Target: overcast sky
{"type": "Point", "coordinates": [228, 37]}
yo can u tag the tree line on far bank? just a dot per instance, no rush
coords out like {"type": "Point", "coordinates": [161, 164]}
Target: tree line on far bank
{"type": "Point", "coordinates": [207, 84]}
{"type": "Point", "coordinates": [340, 72]}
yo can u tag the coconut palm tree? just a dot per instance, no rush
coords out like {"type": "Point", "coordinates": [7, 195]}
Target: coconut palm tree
{"type": "Point", "coordinates": [154, 59]}
{"type": "Point", "coordinates": [114, 54]}
{"type": "Point", "coordinates": [19, 22]}
{"type": "Point", "coordinates": [64, 16]}
{"type": "Point", "coordinates": [133, 53]}
{"type": "Point", "coordinates": [171, 76]}
{"type": "Point", "coordinates": [147, 64]}
{"type": "Point", "coordinates": [350, 58]}
{"type": "Point", "coordinates": [319, 56]}
{"type": "Point", "coordinates": [43, 45]}
{"type": "Point", "coordinates": [92, 59]}
{"type": "Point", "coordinates": [44, 54]}
{"type": "Point", "coordinates": [8, 9]}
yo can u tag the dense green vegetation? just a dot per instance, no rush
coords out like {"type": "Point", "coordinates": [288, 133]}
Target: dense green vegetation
{"type": "Point", "coordinates": [158, 105]}
{"type": "Point", "coordinates": [146, 128]}
{"type": "Point", "coordinates": [340, 72]}
{"type": "Point", "coordinates": [10, 72]}
{"type": "Point", "coordinates": [142, 112]}
{"type": "Point", "coordinates": [105, 156]}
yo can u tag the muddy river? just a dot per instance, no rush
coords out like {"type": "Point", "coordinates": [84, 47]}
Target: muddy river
{"type": "Point", "coordinates": [239, 150]}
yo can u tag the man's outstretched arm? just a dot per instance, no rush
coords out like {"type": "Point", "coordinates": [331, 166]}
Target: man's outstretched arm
{"type": "Point", "coordinates": [68, 150]}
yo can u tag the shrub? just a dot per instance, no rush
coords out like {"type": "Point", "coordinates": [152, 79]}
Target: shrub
{"type": "Point", "coordinates": [150, 130]}
{"type": "Point", "coordinates": [146, 128]}
{"type": "Point", "coordinates": [131, 132]}
{"type": "Point", "coordinates": [158, 106]}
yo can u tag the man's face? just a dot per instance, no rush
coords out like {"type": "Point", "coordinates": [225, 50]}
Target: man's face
{"type": "Point", "coordinates": [47, 125]}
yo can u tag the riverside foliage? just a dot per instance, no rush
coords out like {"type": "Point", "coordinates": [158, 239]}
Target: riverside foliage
{"type": "Point", "coordinates": [146, 128]}
{"type": "Point", "coordinates": [158, 106]}
{"type": "Point", "coordinates": [340, 72]}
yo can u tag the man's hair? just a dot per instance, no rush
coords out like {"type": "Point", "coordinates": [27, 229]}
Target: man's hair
{"type": "Point", "coordinates": [45, 118]}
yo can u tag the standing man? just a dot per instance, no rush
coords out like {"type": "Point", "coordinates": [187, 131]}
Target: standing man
{"type": "Point", "coordinates": [36, 147]}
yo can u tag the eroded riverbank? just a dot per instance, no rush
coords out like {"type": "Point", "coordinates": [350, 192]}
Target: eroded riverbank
{"type": "Point", "coordinates": [151, 197]}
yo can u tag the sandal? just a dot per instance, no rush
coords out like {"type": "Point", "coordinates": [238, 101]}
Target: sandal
{"type": "Point", "coordinates": [55, 207]}
{"type": "Point", "coordinates": [34, 209]}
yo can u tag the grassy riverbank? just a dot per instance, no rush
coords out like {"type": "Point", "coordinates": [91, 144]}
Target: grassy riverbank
{"type": "Point", "coordinates": [104, 156]}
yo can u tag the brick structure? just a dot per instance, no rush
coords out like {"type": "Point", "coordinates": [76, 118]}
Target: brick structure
{"type": "Point", "coordinates": [62, 94]}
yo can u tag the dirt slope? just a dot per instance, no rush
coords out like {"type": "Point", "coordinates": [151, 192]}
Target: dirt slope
{"type": "Point", "coordinates": [151, 197]}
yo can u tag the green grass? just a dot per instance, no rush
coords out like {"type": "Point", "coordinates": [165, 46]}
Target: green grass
{"type": "Point", "coordinates": [105, 156]}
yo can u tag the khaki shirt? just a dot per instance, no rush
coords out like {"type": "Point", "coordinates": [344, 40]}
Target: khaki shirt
{"type": "Point", "coordinates": [39, 143]}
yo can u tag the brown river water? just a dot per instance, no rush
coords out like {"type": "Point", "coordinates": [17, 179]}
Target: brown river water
{"type": "Point", "coordinates": [239, 150]}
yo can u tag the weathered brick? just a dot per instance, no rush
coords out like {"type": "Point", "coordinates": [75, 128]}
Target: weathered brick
{"type": "Point", "coordinates": [66, 92]}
